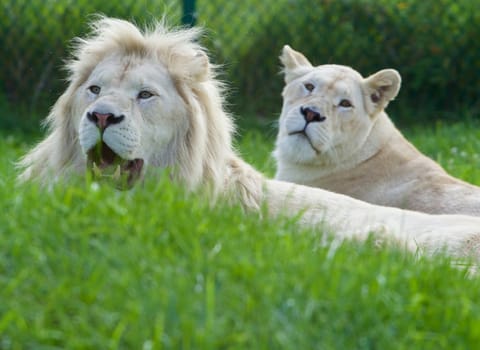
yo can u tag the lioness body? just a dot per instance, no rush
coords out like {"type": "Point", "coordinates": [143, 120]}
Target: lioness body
{"type": "Point", "coordinates": [139, 100]}
{"type": "Point", "coordinates": [358, 151]}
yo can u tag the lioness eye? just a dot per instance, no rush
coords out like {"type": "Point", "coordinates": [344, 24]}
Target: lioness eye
{"type": "Point", "coordinates": [345, 103]}
{"type": "Point", "coordinates": [94, 89]}
{"type": "Point", "coordinates": [144, 94]}
{"type": "Point", "coordinates": [309, 86]}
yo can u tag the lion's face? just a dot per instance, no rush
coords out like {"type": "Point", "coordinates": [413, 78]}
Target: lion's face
{"type": "Point", "coordinates": [136, 98]}
{"type": "Point", "coordinates": [128, 115]}
{"type": "Point", "coordinates": [328, 110]}
{"type": "Point", "coordinates": [322, 110]}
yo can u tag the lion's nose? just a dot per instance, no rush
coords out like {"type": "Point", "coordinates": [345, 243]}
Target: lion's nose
{"type": "Point", "coordinates": [104, 120]}
{"type": "Point", "coordinates": [311, 115]}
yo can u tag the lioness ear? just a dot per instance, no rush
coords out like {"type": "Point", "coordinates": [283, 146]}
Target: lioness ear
{"type": "Point", "coordinates": [295, 63]}
{"type": "Point", "coordinates": [193, 66]}
{"type": "Point", "coordinates": [381, 88]}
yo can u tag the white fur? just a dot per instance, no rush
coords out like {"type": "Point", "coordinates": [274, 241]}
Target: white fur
{"type": "Point", "coordinates": [186, 128]}
{"type": "Point", "coordinates": [360, 152]}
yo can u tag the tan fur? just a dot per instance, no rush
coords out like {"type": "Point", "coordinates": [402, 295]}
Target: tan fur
{"type": "Point", "coordinates": [185, 128]}
{"type": "Point", "coordinates": [361, 153]}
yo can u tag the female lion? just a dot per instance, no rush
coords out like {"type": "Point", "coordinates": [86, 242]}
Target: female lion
{"type": "Point", "coordinates": [334, 134]}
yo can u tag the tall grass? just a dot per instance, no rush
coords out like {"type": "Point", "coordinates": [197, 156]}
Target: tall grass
{"type": "Point", "coordinates": [83, 266]}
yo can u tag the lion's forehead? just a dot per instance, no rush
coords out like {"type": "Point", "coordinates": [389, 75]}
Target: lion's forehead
{"type": "Point", "coordinates": [335, 79]}
{"type": "Point", "coordinates": [337, 70]}
{"type": "Point", "coordinates": [336, 82]}
{"type": "Point", "coordinates": [130, 71]}
{"type": "Point", "coordinates": [330, 81]}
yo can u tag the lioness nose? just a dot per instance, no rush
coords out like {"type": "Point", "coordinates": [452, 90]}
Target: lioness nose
{"type": "Point", "coordinates": [311, 115]}
{"type": "Point", "coordinates": [104, 120]}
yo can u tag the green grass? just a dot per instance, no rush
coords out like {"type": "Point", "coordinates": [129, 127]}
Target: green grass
{"type": "Point", "coordinates": [454, 145]}
{"type": "Point", "coordinates": [87, 267]}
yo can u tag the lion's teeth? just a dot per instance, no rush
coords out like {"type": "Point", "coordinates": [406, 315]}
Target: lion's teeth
{"type": "Point", "coordinates": [96, 170]}
{"type": "Point", "coordinates": [116, 174]}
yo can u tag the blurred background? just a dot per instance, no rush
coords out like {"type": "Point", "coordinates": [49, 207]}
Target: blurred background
{"type": "Point", "coordinates": [434, 44]}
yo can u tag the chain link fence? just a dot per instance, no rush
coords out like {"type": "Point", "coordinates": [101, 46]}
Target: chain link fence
{"type": "Point", "coordinates": [433, 43]}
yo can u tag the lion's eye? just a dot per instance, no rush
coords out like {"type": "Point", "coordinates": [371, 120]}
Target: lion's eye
{"type": "Point", "coordinates": [94, 89]}
{"type": "Point", "coordinates": [309, 86]}
{"type": "Point", "coordinates": [143, 95]}
{"type": "Point", "coordinates": [345, 103]}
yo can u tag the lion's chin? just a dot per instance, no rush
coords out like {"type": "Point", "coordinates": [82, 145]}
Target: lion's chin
{"type": "Point", "coordinates": [302, 138]}
{"type": "Point", "coordinates": [106, 166]}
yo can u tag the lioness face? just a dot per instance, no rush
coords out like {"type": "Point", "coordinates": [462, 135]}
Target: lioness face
{"type": "Point", "coordinates": [128, 116]}
{"type": "Point", "coordinates": [322, 110]}
{"type": "Point", "coordinates": [328, 110]}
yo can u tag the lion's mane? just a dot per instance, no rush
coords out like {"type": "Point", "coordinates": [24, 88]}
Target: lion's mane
{"type": "Point", "coordinates": [199, 158]}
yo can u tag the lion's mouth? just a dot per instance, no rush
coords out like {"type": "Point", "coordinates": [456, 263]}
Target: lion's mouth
{"type": "Point", "coordinates": [105, 164]}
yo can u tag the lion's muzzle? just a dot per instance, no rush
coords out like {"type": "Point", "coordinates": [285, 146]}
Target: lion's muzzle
{"type": "Point", "coordinates": [111, 143]}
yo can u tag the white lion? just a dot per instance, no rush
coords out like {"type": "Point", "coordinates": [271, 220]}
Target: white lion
{"type": "Point", "coordinates": [334, 134]}
{"type": "Point", "coordinates": [150, 99]}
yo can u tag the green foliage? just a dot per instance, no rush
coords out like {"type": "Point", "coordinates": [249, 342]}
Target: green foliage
{"type": "Point", "coordinates": [454, 145]}
{"type": "Point", "coordinates": [86, 267]}
{"type": "Point", "coordinates": [433, 44]}
{"type": "Point", "coordinates": [35, 36]}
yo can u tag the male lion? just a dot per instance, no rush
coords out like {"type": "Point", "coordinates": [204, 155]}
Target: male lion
{"type": "Point", "coordinates": [334, 134]}
{"type": "Point", "coordinates": [150, 99]}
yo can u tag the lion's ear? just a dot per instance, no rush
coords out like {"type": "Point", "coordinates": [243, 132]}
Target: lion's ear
{"type": "Point", "coordinates": [295, 64]}
{"type": "Point", "coordinates": [200, 66]}
{"type": "Point", "coordinates": [193, 66]}
{"type": "Point", "coordinates": [381, 88]}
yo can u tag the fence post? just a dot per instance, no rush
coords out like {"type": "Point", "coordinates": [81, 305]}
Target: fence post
{"type": "Point", "coordinates": [189, 16]}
